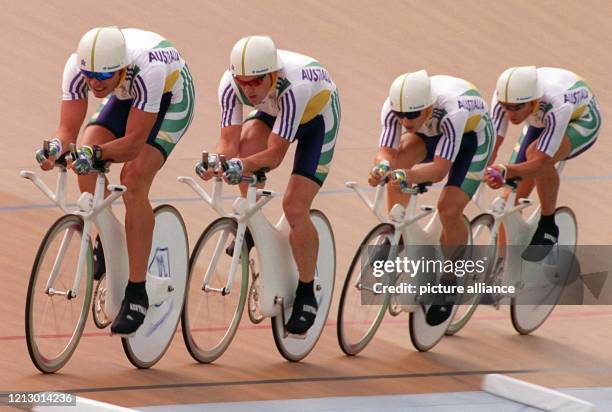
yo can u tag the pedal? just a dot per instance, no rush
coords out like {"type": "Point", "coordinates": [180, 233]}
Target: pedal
{"type": "Point", "coordinates": [408, 308]}
{"type": "Point", "coordinates": [395, 310]}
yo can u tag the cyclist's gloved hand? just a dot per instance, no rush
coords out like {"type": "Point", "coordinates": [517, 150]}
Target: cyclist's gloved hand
{"type": "Point", "coordinates": [43, 156]}
{"type": "Point", "coordinates": [233, 172]}
{"type": "Point", "coordinates": [378, 173]}
{"type": "Point", "coordinates": [401, 178]}
{"type": "Point", "coordinates": [83, 164]}
{"type": "Point", "coordinates": [495, 176]}
{"type": "Point", "coordinates": [206, 173]}
{"type": "Point", "coordinates": [200, 170]}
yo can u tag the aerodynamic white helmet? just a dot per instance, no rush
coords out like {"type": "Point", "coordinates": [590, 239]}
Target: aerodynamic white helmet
{"type": "Point", "coordinates": [254, 56]}
{"type": "Point", "coordinates": [102, 50]}
{"type": "Point", "coordinates": [411, 92]}
{"type": "Point", "coordinates": [519, 85]}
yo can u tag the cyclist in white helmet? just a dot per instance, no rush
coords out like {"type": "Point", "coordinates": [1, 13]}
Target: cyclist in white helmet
{"type": "Point", "coordinates": [294, 99]}
{"type": "Point", "coordinates": [148, 105]}
{"type": "Point", "coordinates": [562, 120]}
{"type": "Point", "coordinates": [433, 127]}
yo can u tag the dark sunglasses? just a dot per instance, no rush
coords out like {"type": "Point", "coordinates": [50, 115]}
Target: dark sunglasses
{"type": "Point", "coordinates": [97, 75]}
{"type": "Point", "coordinates": [252, 83]}
{"type": "Point", "coordinates": [407, 115]}
{"type": "Point", "coordinates": [513, 107]}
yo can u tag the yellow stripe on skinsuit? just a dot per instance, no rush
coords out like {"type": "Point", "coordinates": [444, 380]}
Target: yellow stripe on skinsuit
{"type": "Point", "coordinates": [471, 123]}
{"type": "Point", "coordinates": [315, 106]}
{"type": "Point", "coordinates": [171, 81]}
{"type": "Point", "coordinates": [323, 169]}
{"type": "Point", "coordinates": [165, 136]}
{"type": "Point", "coordinates": [578, 113]}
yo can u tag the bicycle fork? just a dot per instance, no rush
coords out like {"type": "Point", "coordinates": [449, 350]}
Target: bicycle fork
{"type": "Point", "coordinates": [238, 241]}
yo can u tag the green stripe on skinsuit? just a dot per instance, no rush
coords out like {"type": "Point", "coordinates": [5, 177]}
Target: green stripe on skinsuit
{"type": "Point", "coordinates": [172, 125]}
{"type": "Point", "coordinates": [327, 156]}
{"type": "Point", "coordinates": [163, 44]}
{"type": "Point", "coordinates": [182, 105]}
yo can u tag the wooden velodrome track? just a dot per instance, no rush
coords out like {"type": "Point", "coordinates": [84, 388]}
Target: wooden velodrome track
{"type": "Point", "coordinates": [364, 45]}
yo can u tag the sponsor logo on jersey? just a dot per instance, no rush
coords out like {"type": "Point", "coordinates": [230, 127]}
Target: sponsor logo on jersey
{"type": "Point", "coordinates": [164, 56]}
{"type": "Point", "coordinates": [575, 97]}
{"type": "Point", "coordinates": [315, 74]}
{"type": "Point", "coordinates": [471, 104]}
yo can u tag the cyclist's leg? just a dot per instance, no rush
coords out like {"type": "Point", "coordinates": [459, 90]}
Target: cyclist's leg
{"type": "Point", "coordinates": [462, 183]}
{"type": "Point", "coordinates": [313, 157]}
{"type": "Point", "coordinates": [173, 120]}
{"type": "Point", "coordinates": [254, 138]}
{"type": "Point", "coordinates": [529, 135]}
{"type": "Point", "coordinates": [413, 149]}
{"type": "Point", "coordinates": [579, 136]}
{"type": "Point", "coordinates": [107, 124]}
{"type": "Point", "coordinates": [547, 181]}
{"type": "Point", "coordinates": [310, 169]}
{"type": "Point", "coordinates": [463, 179]}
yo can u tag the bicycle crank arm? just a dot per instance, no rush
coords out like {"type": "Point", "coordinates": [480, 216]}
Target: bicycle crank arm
{"type": "Point", "coordinates": [53, 292]}
{"type": "Point", "coordinates": [222, 290]}
{"type": "Point", "coordinates": [280, 301]}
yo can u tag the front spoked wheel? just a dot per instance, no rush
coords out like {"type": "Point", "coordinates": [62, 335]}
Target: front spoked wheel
{"type": "Point", "coordinates": [211, 317]}
{"type": "Point", "coordinates": [294, 349]}
{"type": "Point", "coordinates": [545, 281]}
{"type": "Point", "coordinates": [361, 309]}
{"type": "Point", "coordinates": [54, 322]}
{"type": "Point", "coordinates": [166, 286]}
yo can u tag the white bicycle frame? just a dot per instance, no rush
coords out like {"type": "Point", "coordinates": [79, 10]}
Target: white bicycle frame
{"type": "Point", "coordinates": [518, 232]}
{"type": "Point", "coordinates": [95, 209]}
{"type": "Point", "coordinates": [92, 209]}
{"type": "Point", "coordinates": [404, 222]}
{"type": "Point", "coordinates": [278, 273]}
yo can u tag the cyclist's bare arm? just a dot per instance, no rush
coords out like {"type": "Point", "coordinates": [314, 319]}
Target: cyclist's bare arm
{"type": "Point", "coordinates": [229, 143]}
{"type": "Point", "coordinates": [385, 153]}
{"type": "Point", "coordinates": [270, 158]}
{"type": "Point", "coordinates": [530, 168]}
{"type": "Point", "coordinates": [72, 114]}
{"type": "Point", "coordinates": [138, 128]}
{"type": "Point", "coordinates": [498, 143]}
{"type": "Point", "coordinates": [431, 172]}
